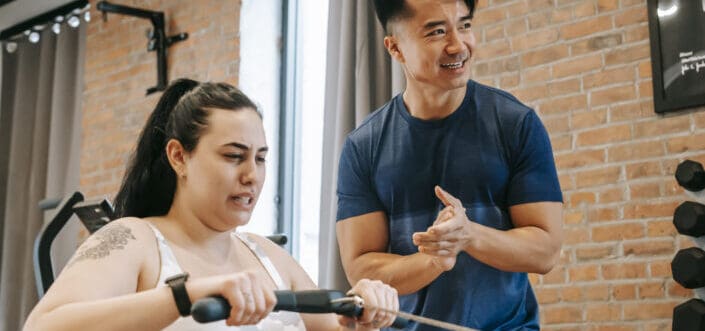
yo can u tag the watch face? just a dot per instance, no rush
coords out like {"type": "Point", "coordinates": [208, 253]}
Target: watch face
{"type": "Point", "coordinates": [181, 276]}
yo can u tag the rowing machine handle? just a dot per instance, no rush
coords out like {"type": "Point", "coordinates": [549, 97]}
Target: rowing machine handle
{"type": "Point", "coordinates": [217, 308]}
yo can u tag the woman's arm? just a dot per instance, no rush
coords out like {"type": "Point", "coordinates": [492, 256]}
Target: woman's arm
{"type": "Point", "coordinates": [96, 290]}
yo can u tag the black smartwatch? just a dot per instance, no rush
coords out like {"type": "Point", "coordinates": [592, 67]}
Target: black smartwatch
{"type": "Point", "coordinates": [178, 289]}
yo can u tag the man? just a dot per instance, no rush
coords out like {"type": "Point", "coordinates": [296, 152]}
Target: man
{"type": "Point", "coordinates": [449, 191]}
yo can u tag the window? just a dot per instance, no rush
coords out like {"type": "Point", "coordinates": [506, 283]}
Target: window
{"type": "Point", "coordinates": [289, 85]}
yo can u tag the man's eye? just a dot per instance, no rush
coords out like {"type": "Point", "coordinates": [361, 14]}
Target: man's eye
{"type": "Point", "coordinates": [466, 25]}
{"type": "Point", "coordinates": [261, 159]}
{"type": "Point", "coordinates": [436, 32]}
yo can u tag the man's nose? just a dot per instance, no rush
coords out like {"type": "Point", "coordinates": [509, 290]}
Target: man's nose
{"type": "Point", "coordinates": [455, 45]}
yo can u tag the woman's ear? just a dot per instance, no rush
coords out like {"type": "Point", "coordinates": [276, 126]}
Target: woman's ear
{"type": "Point", "coordinates": [176, 154]}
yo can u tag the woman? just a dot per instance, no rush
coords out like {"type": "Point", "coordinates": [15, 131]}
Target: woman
{"type": "Point", "coordinates": [195, 176]}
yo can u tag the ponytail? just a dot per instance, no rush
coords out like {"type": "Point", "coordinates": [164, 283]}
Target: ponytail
{"type": "Point", "coordinates": [149, 184]}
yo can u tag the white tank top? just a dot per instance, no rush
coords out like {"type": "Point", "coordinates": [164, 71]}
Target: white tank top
{"type": "Point", "coordinates": [275, 321]}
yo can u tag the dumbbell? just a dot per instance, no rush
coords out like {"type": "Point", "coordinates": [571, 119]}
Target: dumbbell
{"type": "Point", "coordinates": [689, 219]}
{"type": "Point", "coordinates": [689, 316]}
{"type": "Point", "coordinates": [688, 267]}
{"type": "Point", "coordinates": [691, 175]}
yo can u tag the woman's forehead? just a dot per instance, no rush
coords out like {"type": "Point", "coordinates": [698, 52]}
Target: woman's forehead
{"type": "Point", "coordinates": [242, 125]}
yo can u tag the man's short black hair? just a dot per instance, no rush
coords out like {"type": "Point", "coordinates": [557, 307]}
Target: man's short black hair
{"type": "Point", "coordinates": [392, 9]}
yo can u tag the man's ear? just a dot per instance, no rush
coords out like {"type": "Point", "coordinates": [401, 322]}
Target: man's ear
{"type": "Point", "coordinates": [176, 154]}
{"type": "Point", "coordinates": [392, 46]}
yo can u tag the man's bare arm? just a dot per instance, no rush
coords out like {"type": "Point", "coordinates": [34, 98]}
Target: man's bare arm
{"type": "Point", "coordinates": [533, 245]}
{"type": "Point", "coordinates": [363, 242]}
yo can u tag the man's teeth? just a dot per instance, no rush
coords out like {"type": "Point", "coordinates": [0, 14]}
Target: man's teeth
{"type": "Point", "coordinates": [455, 65]}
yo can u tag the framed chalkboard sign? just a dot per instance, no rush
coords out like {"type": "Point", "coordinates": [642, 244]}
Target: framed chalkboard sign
{"type": "Point", "coordinates": [677, 34]}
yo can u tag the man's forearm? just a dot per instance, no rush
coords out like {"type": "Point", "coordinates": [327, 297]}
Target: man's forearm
{"type": "Point", "coordinates": [407, 274]}
{"type": "Point", "coordinates": [526, 249]}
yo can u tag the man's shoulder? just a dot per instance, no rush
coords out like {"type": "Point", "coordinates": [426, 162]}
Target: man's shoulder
{"type": "Point", "coordinates": [492, 96]}
{"type": "Point", "coordinates": [374, 122]}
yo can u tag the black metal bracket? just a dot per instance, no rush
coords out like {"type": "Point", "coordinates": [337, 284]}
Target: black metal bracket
{"type": "Point", "coordinates": [158, 41]}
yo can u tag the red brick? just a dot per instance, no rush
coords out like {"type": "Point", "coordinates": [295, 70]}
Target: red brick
{"type": "Point", "coordinates": [547, 295]}
{"type": "Point", "coordinates": [566, 314]}
{"type": "Point", "coordinates": [624, 292]}
{"type": "Point", "coordinates": [577, 66]}
{"type": "Point", "coordinates": [660, 268]}
{"type": "Point", "coordinates": [635, 151]}
{"type": "Point", "coordinates": [628, 54]}
{"type": "Point", "coordinates": [584, 9]}
{"type": "Point", "coordinates": [610, 195]}
{"type": "Point", "coordinates": [564, 87]}
{"type": "Point", "coordinates": [661, 126]}
{"type": "Point", "coordinates": [649, 248]}
{"type": "Point", "coordinates": [605, 214]}
{"type": "Point", "coordinates": [575, 235]}
{"type": "Point", "coordinates": [571, 294]}
{"type": "Point", "coordinates": [609, 77]}
{"type": "Point", "coordinates": [607, 5]}
{"type": "Point", "coordinates": [652, 290]}
{"type": "Point", "coordinates": [545, 55]}
{"type": "Point", "coordinates": [561, 142]}
{"type": "Point", "coordinates": [648, 310]}
{"type": "Point", "coordinates": [631, 111]}
{"type": "Point", "coordinates": [573, 218]}
{"type": "Point", "coordinates": [614, 232]}
{"type": "Point", "coordinates": [649, 209]}
{"type": "Point", "coordinates": [612, 95]}
{"type": "Point", "coordinates": [605, 175]}
{"type": "Point", "coordinates": [533, 40]}
{"type": "Point", "coordinates": [599, 292]}
{"type": "Point", "coordinates": [581, 198]}
{"type": "Point", "coordinates": [630, 16]}
{"type": "Point", "coordinates": [586, 273]}
{"type": "Point", "coordinates": [586, 27]}
{"type": "Point", "coordinates": [686, 143]}
{"type": "Point", "coordinates": [645, 190]}
{"type": "Point", "coordinates": [600, 136]}
{"type": "Point", "coordinates": [563, 104]}
{"type": "Point", "coordinates": [594, 252]}
{"type": "Point", "coordinates": [643, 170]}
{"type": "Point", "coordinates": [580, 159]}
{"type": "Point", "coordinates": [603, 312]}
{"type": "Point", "coordinates": [595, 43]}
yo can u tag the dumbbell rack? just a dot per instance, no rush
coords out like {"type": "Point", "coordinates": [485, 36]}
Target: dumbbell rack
{"type": "Point", "coordinates": [688, 266]}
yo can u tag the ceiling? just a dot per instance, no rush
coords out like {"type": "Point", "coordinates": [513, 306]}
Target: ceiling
{"type": "Point", "coordinates": [13, 12]}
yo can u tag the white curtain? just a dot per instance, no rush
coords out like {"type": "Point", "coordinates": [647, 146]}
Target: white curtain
{"type": "Point", "coordinates": [360, 77]}
{"type": "Point", "coordinates": [39, 156]}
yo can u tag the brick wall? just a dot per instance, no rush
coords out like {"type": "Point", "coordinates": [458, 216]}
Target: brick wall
{"type": "Point", "coordinates": [118, 70]}
{"type": "Point", "coordinates": [584, 65]}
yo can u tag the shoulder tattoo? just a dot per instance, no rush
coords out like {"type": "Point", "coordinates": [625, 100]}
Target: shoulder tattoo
{"type": "Point", "coordinates": [109, 239]}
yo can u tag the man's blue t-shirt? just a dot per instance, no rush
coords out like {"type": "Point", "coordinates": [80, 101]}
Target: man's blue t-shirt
{"type": "Point", "coordinates": [491, 153]}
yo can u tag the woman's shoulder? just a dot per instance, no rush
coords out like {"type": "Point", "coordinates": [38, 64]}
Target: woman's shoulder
{"type": "Point", "coordinates": [287, 266]}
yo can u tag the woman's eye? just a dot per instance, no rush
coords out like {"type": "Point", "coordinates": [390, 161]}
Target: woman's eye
{"type": "Point", "coordinates": [261, 159]}
{"type": "Point", "coordinates": [234, 156]}
{"type": "Point", "coordinates": [466, 25]}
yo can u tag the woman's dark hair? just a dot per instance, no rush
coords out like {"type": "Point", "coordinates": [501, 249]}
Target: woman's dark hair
{"type": "Point", "coordinates": [182, 113]}
{"type": "Point", "coordinates": [389, 10]}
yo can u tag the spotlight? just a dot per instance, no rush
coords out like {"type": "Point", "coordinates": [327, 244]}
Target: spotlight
{"type": "Point", "coordinates": [56, 27]}
{"type": "Point", "coordinates": [33, 37]}
{"type": "Point", "coordinates": [74, 22]}
{"type": "Point", "coordinates": [11, 46]}
{"type": "Point", "coordinates": [87, 16]}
